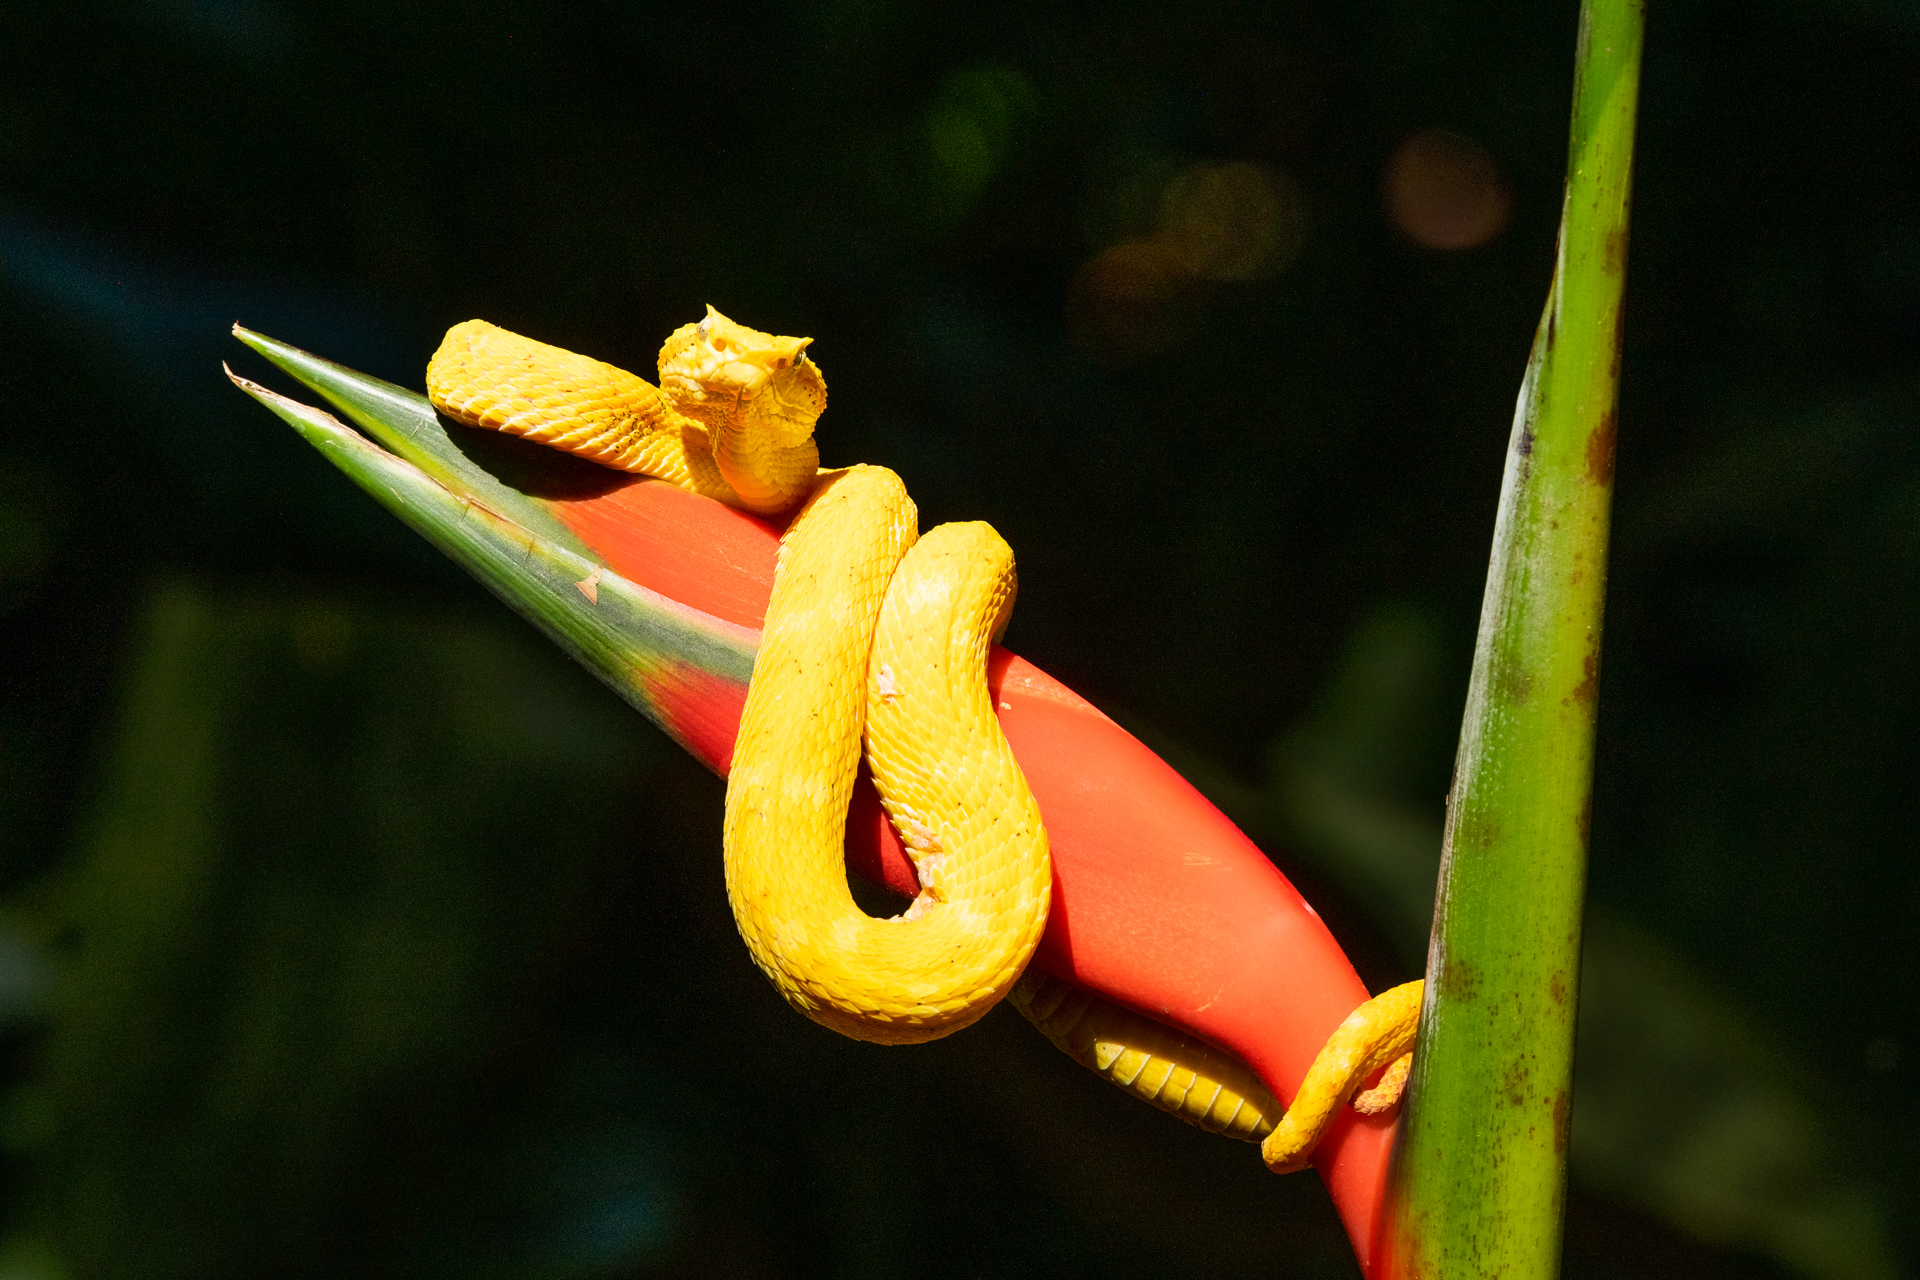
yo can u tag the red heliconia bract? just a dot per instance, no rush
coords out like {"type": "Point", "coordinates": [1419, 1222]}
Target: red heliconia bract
{"type": "Point", "coordinates": [1159, 901]}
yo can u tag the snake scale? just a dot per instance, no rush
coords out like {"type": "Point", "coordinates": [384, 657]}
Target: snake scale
{"type": "Point", "coordinates": [876, 639]}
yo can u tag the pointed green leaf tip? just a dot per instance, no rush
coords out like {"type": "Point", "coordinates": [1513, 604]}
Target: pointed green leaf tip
{"type": "Point", "coordinates": [405, 424]}
{"type": "Point", "coordinates": [685, 670]}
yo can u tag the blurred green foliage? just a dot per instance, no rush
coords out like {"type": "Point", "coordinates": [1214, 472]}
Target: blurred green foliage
{"type": "Point", "coordinates": [1025, 240]}
{"type": "Point", "coordinates": [291, 907]}
{"type": "Point", "coordinates": [392, 947]}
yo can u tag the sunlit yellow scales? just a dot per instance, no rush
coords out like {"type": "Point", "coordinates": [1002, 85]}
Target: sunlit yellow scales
{"type": "Point", "coordinates": [875, 633]}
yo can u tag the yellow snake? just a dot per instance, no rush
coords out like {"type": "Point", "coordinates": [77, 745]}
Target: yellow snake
{"type": "Point", "coordinates": [876, 633]}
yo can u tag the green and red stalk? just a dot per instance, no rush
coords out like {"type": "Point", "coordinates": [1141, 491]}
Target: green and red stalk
{"type": "Point", "coordinates": [1479, 1180]}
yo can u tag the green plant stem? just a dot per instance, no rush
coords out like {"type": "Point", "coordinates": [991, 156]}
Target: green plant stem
{"type": "Point", "coordinates": [1478, 1186]}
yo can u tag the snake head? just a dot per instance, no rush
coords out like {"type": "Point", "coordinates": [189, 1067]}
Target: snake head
{"type": "Point", "coordinates": [732, 378]}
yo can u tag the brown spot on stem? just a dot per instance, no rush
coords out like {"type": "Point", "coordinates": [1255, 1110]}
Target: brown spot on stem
{"type": "Point", "coordinates": [1560, 1113]}
{"type": "Point", "coordinates": [1474, 830]}
{"type": "Point", "coordinates": [1585, 692]}
{"type": "Point", "coordinates": [1517, 683]}
{"type": "Point", "coordinates": [1616, 251]}
{"type": "Point", "coordinates": [1459, 979]}
{"type": "Point", "coordinates": [1513, 1083]}
{"type": "Point", "coordinates": [1557, 987]}
{"type": "Point", "coordinates": [1600, 451]}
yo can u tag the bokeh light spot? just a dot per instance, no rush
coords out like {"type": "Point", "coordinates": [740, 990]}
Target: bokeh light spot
{"type": "Point", "coordinates": [1213, 222]}
{"type": "Point", "coordinates": [962, 149]}
{"type": "Point", "coordinates": [1443, 190]}
{"type": "Point", "coordinates": [972, 127]}
{"type": "Point", "coordinates": [929, 170]}
{"type": "Point", "coordinates": [1134, 299]}
{"type": "Point", "coordinates": [1236, 221]}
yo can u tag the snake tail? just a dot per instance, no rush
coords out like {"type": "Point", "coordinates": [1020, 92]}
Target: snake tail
{"type": "Point", "coordinates": [839, 649]}
{"type": "Point", "coordinates": [1385, 1096]}
{"type": "Point", "coordinates": [1180, 1074]}
{"type": "Point", "coordinates": [1374, 1036]}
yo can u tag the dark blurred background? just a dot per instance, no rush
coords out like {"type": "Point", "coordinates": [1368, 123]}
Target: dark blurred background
{"type": "Point", "coordinates": [346, 930]}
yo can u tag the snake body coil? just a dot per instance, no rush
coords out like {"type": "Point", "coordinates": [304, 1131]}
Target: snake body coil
{"type": "Point", "coordinates": [842, 646]}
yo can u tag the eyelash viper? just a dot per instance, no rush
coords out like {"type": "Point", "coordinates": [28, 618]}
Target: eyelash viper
{"type": "Point", "coordinates": [878, 635]}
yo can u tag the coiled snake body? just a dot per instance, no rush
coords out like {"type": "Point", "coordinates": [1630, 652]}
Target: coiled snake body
{"type": "Point", "coordinates": [877, 635]}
